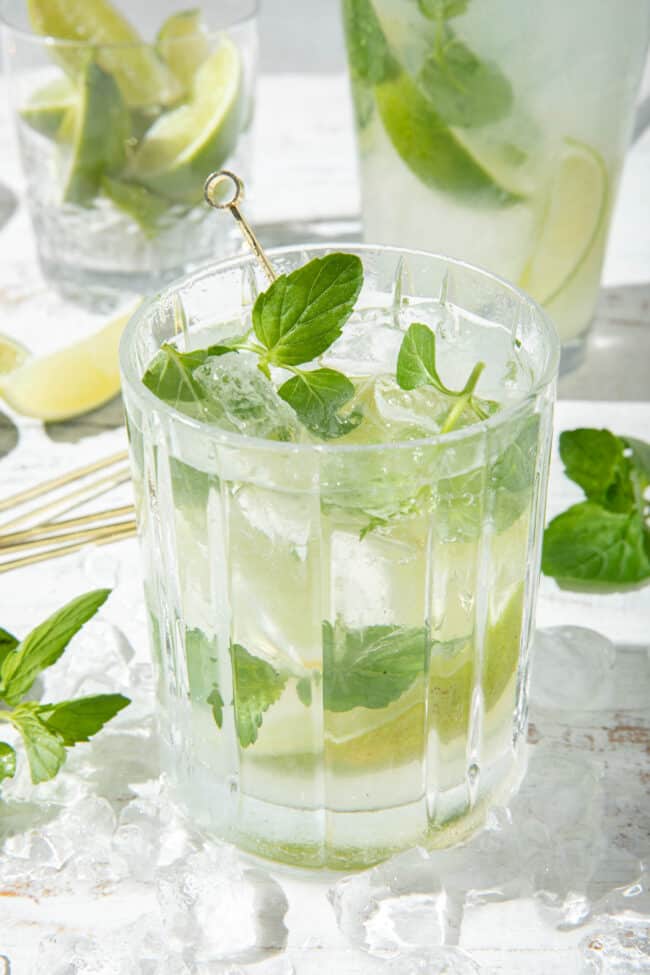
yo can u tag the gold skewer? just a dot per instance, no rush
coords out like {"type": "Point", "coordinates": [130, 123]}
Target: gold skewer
{"type": "Point", "coordinates": [45, 527]}
{"type": "Point", "coordinates": [85, 493]}
{"type": "Point", "coordinates": [66, 549]}
{"type": "Point", "coordinates": [57, 482]}
{"type": "Point", "coordinates": [213, 184]}
{"type": "Point", "coordinates": [85, 534]}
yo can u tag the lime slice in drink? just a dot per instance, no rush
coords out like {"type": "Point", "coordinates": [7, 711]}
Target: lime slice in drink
{"type": "Point", "coordinates": [183, 45]}
{"type": "Point", "coordinates": [69, 382]}
{"type": "Point", "coordinates": [101, 129]}
{"type": "Point", "coordinates": [575, 216]}
{"type": "Point", "coordinates": [142, 77]}
{"type": "Point", "coordinates": [431, 150]}
{"type": "Point", "coordinates": [12, 354]}
{"type": "Point", "coordinates": [48, 106]}
{"type": "Point", "coordinates": [187, 143]}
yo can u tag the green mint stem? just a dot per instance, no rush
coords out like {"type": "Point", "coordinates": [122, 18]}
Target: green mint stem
{"type": "Point", "coordinates": [464, 398]}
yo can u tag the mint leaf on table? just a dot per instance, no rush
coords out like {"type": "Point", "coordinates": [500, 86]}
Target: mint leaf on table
{"type": "Point", "coordinates": [369, 54]}
{"type": "Point", "coordinates": [7, 761]}
{"type": "Point", "coordinates": [317, 396]}
{"type": "Point", "coordinates": [370, 667]}
{"type": "Point", "coordinates": [8, 642]}
{"type": "Point", "coordinates": [302, 313]}
{"type": "Point", "coordinates": [605, 539]}
{"type": "Point", "coordinates": [45, 749]}
{"type": "Point", "coordinates": [77, 721]}
{"type": "Point", "coordinates": [589, 543]}
{"type": "Point", "coordinates": [257, 685]}
{"type": "Point", "coordinates": [442, 9]}
{"type": "Point", "coordinates": [45, 644]}
{"type": "Point", "coordinates": [464, 90]}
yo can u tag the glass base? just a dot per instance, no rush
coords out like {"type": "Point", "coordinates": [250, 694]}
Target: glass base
{"type": "Point", "coordinates": [574, 353]}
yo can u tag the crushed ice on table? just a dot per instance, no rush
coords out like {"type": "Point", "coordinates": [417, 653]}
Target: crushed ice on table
{"type": "Point", "coordinates": [240, 399]}
{"type": "Point", "coordinates": [618, 947]}
{"type": "Point", "coordinates": [585, 660]}
{"type": "Point", "coordinates": [423, 961]}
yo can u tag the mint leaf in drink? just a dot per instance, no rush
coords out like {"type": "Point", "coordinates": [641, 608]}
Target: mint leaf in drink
{"type": "Point", "coordinates": [464, 90]}
{"type": "Point", "coordinates": [170, 376]}
{"type": "Point", "coordinates": [442, 9]}
{"type": "Point", "coordinates": [45, 644]}
{"type": "Point", "coordinates": [317, 397]}
{"type": "Point", "coordinates": [8, 642]}
{"type": "Point", "coordinates": [45, 749]}
{"type": "Point", "coordinates": [257, 685]}
{"type": "Point", "coordinates": [215, 701]}
{"type": "Point", "coordinates": [589, 543]}
{"type": "Point", "coordinates": [77, 721]}
{"type": "Point", "coordinates": [7, 761]}
{"type": "Point", "coordinates": [303, 313]}
{"type": "Point", "coordinates": [370, 667]}
{"type": "Point", "coordinates": [369, 54]}
{"type": "Point", "coordinates": [303, 690]}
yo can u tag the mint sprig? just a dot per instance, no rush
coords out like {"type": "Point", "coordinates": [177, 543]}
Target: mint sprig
{"type": "Point", "coordinates": [48, 729]}
{"type": "Point", "coordinates": [605, 539]}
{"type": "Point", "coordinates": [317, 397]}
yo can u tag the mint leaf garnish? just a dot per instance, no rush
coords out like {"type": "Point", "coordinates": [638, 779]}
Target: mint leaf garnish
{"type": "Point", "coordinates": [465, 91]}
{"type": "Point", "coordinates": [368, 50]}
{"type": "Point", "coordinates": [45, 749]}
{"type": "Point", "coordinates": [170, 375]}
{"type": "Point", "coordinates": [8, 642]}
{"type": "Point", "coordinates": [257, 685]}
{"type": "Point", "coordinates": [416, 366]}
{"type": "Point", "coordinates": [45, 644]}
{"type": "Point", "coordinates": [7, 761]}
{"type": "Point", "coordinates": [317, 396]}
{"type": "Point", "coordinates": [443, 9]}
{"type": "Point", "coordinates": [77, 721]}
{"type": "Point", "coordinates": [302, 313]}
{"type": "Point", "coordinates": [605, 539]}
{"type": "Point", "coordinates": [370, 667]}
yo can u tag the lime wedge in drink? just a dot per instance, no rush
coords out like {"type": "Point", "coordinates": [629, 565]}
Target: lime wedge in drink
{"type": "Point", "coordinates": [69, 382]}
{"type": "Point", "coordinates": [183, 45]}
{"type": "Point", "coordinates": [12, 354]}
{"type": "Point", "coordinates": [101, 129]}
{"type": "Point", "coordinates": [141, 75]}
{"type": "Point", "coordinates": [187, 143]}
{"type": "Point", "coordinates": [139, 203]}
{"type": "Point", "coordinates": [48, 106]}
{"type": "Point", "coordinates": [575, 216]}
{"type": "Point", "coordinates": [431, 150]}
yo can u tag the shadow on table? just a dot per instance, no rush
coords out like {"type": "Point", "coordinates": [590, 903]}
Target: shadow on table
{"type": "Point", "coordinates": [9, 435]}
{"type": "Point", "coordinates": [110, 416]}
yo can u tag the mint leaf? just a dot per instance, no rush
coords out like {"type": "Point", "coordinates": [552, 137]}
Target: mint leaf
{"type": "Point", "coordinates": [76, 721]}
{"type": "Point", "coordinates": [7, 761]}
{"type": "Point", "coordinates": [303, 690]}
{"type": "Point", "coordinates": [443, 9]}
{"type": "Point", "coordinates": [595, 460]}
{"type": "Point", "coordinates": [369, 55]}
{"type": "Point", "coordinates": [257, 685]}
{"type": "Point", "coordinates": [44, 748]}
{"type": "Point", "coordinates": [45, 644]}
{"type": "Point", "coordinates": [215, 701]}
{"type": "Point", "coordinates": [464, 90]}
{"type": "Point", "coordinates": [317, 397]}
{"type": "Point", "coordinates": [170, 376]}
{"type": "Point", "coordinates": [589, 543]}
{"type": "Point", "coordinates": [639, 457]}
{"type": "Point", "coordinates": [416, 361]}
{"type": "Point", "coordinates": [8, 642]}
{"type": "Point", "coordinates": [370, 667]}
{"type": "Point", "coordinates": [302, 313]}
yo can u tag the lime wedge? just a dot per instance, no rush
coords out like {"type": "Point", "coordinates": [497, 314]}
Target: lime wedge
{"type": "Point", "coordinates": [431, 150]}
{"type": "Point", "coordinates": [575, 217]}
{"type": "Point", "coordinates": [139, 203]}
{"type": "Point", "coordinates": [187, 143]}
{"type": "Point", "coordinates": [101, 129]}
{"type": "Point", "coordinates": [12, 354]}
{"type": "Point", "coordinates": [69, 382]}
{"type": "Point", "coordinates": [142, 77]}
{"type": "Point", "coordinates": [48, 106]}
{"type": "Point", "coordinates": [183, 45]}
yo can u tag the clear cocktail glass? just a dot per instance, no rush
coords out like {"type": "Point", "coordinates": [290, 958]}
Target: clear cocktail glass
{"type": "Point", "coordinates": [341, 628]}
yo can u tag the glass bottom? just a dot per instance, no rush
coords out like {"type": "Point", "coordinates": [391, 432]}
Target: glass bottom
{"type": "Point", "coordinates": [574, 352]}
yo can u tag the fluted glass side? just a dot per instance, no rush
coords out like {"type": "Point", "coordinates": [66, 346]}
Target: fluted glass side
{"type": "Point", "coordinates": [341, 632]}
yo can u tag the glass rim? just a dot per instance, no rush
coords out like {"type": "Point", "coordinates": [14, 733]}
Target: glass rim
{"type": "Point", "coordinates": [149, 402]}
{"type": "Point", "coordinates": [252, 8]}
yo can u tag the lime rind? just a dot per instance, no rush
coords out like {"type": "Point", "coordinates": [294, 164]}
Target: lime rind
{"type": "Point", "coordinates": [183, 45]}
{"type": "Point", "coordinates": [47, 108]}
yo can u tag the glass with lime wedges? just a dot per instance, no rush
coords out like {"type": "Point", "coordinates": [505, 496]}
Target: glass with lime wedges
{"type": "Point", "coordinates": [340, 480]}
{"type": "Point", "coordinates": [495, 130]}
{"type": "Point", "coordinates": [118, 121]}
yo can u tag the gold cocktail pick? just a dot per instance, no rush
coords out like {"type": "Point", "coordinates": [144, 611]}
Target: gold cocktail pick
{"type": "Point", "coordinates": [211, 191]}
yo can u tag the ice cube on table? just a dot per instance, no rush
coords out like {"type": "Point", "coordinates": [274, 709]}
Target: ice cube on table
{"type": "Point", "coordinates": [241, 400]}
{"type": "Point", "coordinates": [572, 668]}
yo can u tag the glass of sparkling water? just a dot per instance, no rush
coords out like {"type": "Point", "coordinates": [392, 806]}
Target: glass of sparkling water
{"type": "Point", "coordinates": [119, 113]}
{"type": "Point", "coordinates": [341, 627]}
{"type": "Point", "coordinates": [495, 131]}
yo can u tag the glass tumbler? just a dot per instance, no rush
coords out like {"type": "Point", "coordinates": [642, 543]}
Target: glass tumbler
{"type": "Point", "coordinates": [117, 129]}
{"type": "Point", "coordinates": [341, 631]}
{"type": "Point", "coordinates": [495, 131]}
